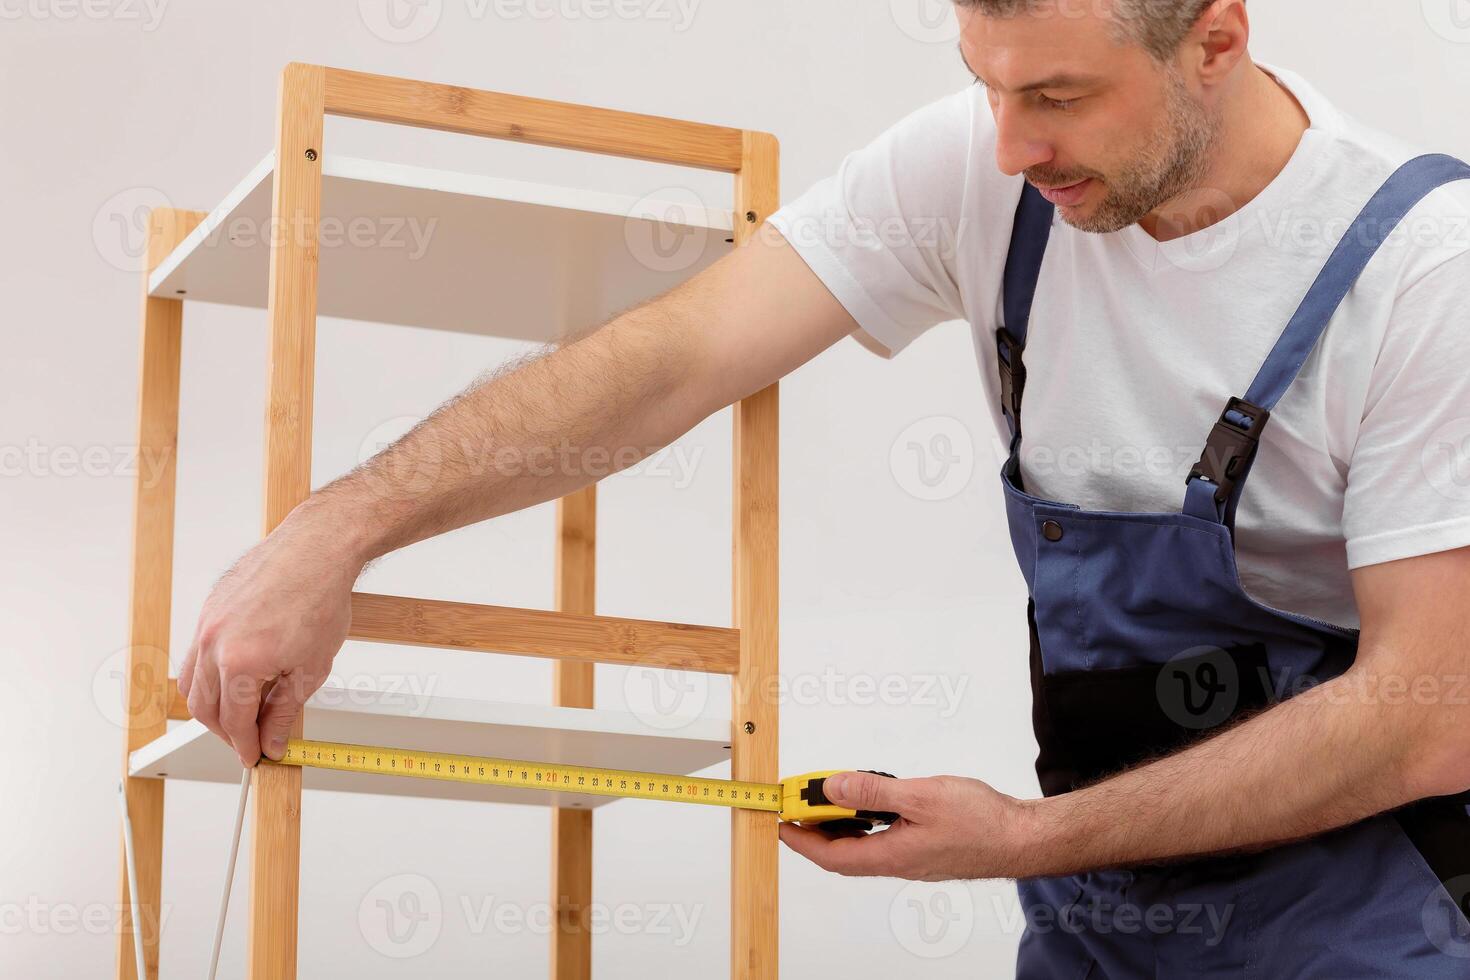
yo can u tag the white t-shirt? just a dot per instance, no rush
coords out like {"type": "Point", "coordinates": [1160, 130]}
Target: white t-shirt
{"type": "Point", "coordinates": [1136, 345]}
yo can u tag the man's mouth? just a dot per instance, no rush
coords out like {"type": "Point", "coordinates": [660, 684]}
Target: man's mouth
{"type": "Point", "coordinates": [1065, 195]}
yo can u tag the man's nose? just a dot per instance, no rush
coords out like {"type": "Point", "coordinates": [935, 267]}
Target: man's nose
{"type": "Point", "coordinates": [1018, 147]}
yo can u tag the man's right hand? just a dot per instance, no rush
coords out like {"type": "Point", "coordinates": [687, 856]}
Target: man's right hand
{"type": "Point", "coordinates": [275, 621]}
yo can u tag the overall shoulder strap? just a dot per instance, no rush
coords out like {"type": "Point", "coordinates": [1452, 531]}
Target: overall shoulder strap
{"type": "Point", "coordinates": [1029, 235]}
{"type": "Point", "coordinates": [1214, 484]}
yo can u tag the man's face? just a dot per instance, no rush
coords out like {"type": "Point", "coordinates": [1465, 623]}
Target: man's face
{"type": "Point", "coordinates": [1106, 132]}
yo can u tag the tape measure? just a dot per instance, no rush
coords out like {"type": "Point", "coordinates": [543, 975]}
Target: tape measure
{"type": "Point", "coordinates": [799, 798]}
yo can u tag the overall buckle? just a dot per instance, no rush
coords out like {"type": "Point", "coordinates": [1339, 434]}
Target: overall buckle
{"type": "Point", "coordinates": [1012, 374]}
{"type": "Point", "coordinates": [1230, 447]}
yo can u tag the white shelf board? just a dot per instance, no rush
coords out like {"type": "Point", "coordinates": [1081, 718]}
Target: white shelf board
{"type": "Point", "coordinates": [541, 733]}
{"type": "Point", "coordinates": [431, 248]}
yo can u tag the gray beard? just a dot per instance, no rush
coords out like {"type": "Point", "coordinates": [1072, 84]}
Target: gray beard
{"type": "Point", "coordinates": [1164, 171]}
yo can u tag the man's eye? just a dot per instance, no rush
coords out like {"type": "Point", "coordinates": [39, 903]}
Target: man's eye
{"type": "Point", "coordinates": [1051, 103]}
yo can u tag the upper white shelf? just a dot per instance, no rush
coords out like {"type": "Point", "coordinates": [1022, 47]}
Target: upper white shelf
{"type": "Point", "coordinates": [540, 733]}
{"type": "Point", "coordinates": [431, 248]}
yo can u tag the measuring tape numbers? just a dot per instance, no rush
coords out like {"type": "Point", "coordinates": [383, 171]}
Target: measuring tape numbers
{"type": "Point", "coordinates": [797, 799]}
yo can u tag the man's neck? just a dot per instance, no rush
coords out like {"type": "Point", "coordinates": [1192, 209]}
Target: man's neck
{"type": "Point", "coordinates": [1261, 127]}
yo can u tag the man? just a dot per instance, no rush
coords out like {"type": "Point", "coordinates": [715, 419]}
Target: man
{"type": "Point", "coordinates": [1124, 178]}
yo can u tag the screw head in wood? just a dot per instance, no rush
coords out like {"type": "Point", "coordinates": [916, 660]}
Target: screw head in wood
{"type": "Point", "coordinates": [750, 216]}
{"type": "Point", "coordinates": [750, 728]}
{"type": "Point", "coordinates": [311, 154]}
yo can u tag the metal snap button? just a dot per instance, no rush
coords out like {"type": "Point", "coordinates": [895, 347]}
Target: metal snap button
{"type": "Point", "coordinates": [1052, 531]}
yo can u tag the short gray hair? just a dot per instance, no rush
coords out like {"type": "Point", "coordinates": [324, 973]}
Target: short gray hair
{"type": "Point", "coordinates": [1159, 25]}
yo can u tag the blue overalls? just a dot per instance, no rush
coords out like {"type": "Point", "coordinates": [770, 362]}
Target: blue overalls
{"type": "Point", "coordinates": [1142, 640]}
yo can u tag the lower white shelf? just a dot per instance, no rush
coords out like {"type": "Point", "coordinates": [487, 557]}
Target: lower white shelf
{"type": "Point", "coordinates": [543, 733]}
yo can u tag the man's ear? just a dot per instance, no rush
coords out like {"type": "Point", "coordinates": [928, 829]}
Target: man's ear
{"type": "Point", "coordinates": [1218, 41]}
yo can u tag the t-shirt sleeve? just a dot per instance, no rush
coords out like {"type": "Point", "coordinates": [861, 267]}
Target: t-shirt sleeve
{"type": "Point", "coordinates": [881, 232]}
{"type": "Point", "coordinates": [1408, 487]}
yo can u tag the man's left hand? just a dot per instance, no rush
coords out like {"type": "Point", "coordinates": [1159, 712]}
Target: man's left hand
{"type": "Point", "coordinates": [948, 827]}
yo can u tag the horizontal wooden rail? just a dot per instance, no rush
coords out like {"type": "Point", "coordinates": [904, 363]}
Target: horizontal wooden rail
{"type": "Point", "coordinates": [360, 95]}
{"type": "Point", "coordinates": [544, 633]}
{"type": "Point", "coordinates": [532, 633]}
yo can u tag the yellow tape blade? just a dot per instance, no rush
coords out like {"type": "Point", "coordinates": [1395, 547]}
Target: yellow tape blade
{"type": "Point", "coordinates": [522, 774]}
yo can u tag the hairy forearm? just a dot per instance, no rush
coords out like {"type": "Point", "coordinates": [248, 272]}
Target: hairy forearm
{"type": "Point", "coordinates": [537, 431]}
{"type": "Point", "coordinates": [586, 410]}
{"type": "Point", "coordinates": [1326, 758]}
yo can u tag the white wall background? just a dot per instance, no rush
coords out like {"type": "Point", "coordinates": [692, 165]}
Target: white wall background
{"type": "Point", "coordinates": [115, 103]}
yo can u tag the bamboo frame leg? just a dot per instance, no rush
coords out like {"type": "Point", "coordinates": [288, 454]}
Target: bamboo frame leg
{"type": "Point", "coordinates": [754, 912]}
{"type": "Point", "coordinates": [145, 686]}
{"type": "Point", "coordinates": [296, 208]}
{"type": "Point", "coordinates": [572, 685]}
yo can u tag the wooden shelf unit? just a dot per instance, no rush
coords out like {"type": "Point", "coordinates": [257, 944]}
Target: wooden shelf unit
{"type": "Point", "coordinates": [190, 255]}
